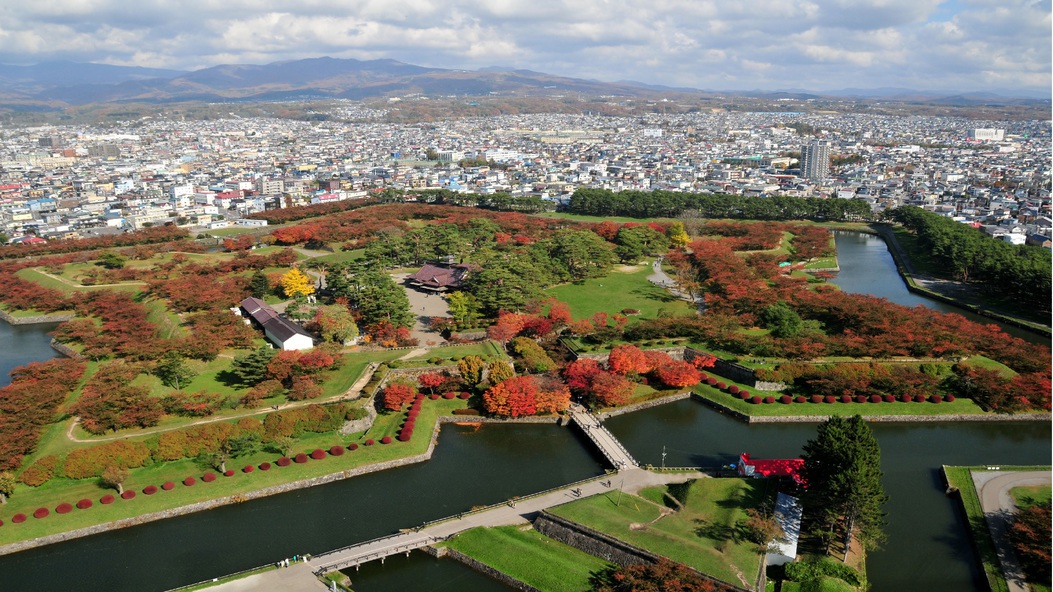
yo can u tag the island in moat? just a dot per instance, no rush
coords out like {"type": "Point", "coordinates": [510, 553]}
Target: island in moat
{"type": "Point", "coordinates": [195, 379]}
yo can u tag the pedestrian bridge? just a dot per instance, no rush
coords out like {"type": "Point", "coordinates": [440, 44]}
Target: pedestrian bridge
{"type": "Point", "coordinates": [612, 449]}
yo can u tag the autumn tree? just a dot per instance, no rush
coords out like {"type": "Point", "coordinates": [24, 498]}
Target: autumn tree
{"type": "Point", "coordinates": [499, 371]}
{"type": "Point", "coordinates": [296, 283]}
{"type": "Point", "coordinates": [7, 486]}
{"type": "Point", "coordinates": [677, 236]}
{"type": "Point", "coordinates": [471, 369]}
{"type": "Point", "coordinates": [431, 380]}
{"type": "Point", "coordinates": [627, 359]}
{"type": "Point", "coordinates": [1029, 533]}
{"type": "Point", "coordinates": [677, 374]}
{"type": "Point", "coordinates": [398, 394]}
{"type": "Point", "coordinates": [335, 323]}
{"type": "Point", "coordinates": [114, 477]}
{"type": "Point", "coordinates": [663, 576]}
{"type": "Point", "coordinates": [611, 390]}
{"type": "Point", "coordinates": [464, 308]}
{"type": "Point", "coordinates": [514, 397]}
{"type": "Point", "coordinates": [579, 373]}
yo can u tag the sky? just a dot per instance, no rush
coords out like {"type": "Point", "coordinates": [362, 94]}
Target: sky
{"type": "Point", "coordinates": [999, 46]}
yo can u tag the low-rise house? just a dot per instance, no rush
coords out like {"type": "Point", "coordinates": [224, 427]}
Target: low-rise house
{"type": "Point", "coordinates": [282, 332]}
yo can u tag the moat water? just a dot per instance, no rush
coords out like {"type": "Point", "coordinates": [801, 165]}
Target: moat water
{"type": "Point", "coordinates": [927, 549]}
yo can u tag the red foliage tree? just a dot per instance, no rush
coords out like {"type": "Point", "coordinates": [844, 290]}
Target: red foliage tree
{"type": "Point", "coordinates": [1030, 535]}
{"type": "Point", "coordinates": [663, 576]}
{"type": "Point", "coordinates": [627, 359]}
{"type": "Point", "coordinates": [397, 394]}
{"type": "Point", "coordinates": [579, 374]}
{"type": "Point", "coordinates": [514, 397]}
{"type": "Point", "coordinates": [678, 374]}
{"type": "Point", "coordinates": [431, 380]}
{"type": "Point", "coordinates": [507, 326]}
{"type": "Point", "coordinates": [611, 390]}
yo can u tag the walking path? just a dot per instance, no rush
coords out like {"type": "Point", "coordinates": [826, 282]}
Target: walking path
{"type": "Point", "coordinates": [998, 505]}
{"type": "Point", "coordinates": [611, 448]}
{"type": "Point", "coordinates": [661, 278]}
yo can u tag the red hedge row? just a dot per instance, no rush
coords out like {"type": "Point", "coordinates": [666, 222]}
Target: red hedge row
{"type": "Point", "coordinates": [228, 473]}
{"type": "Point", "coordinates": [168, 486]}
{"type": "Point", "coordinates": [106, 499]}
{"type": "Point", "coordinates": [433, 396]}
{"type": "Point", "coordinates": [352, 446]}
{"type": "Point", "coordinates": [208, 477]}
{"type": "Point", "coordinates": [300, 458]}
{"type": "Point", "coordinates": [128, 495]}
{"type": "Point", "coordinates": [63, 508]}
{"type": "Point", "coordinates": [369, 442]}
{"type": "Point", "coordinates": [84, 504]}
{"type": "Point", "coordinates": [189, 481]}
{"type": "Point", "coordinates": [248, 469]}
{"type": "Point", "coordinates": [318, 454]}
{"type": "Point", "coordinates": [41, 513]}
{"type": "Point", "coordinates": [283, 461]}
{"type": "Point", "coordinates": [336, 450]}
{"type": "Point", "coordinates": [465, 396]}
{"type": "Point", "coordinates": [265, 466]}
{"type": "Point", "coordinates": [385, 440]}
{"type": "Point", "coordinates": [18, 518]}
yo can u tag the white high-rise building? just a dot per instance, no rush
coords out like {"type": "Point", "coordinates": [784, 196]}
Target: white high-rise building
{"type": "Point", "coordinates": [981, 134]}
{"type": "Point", "coordinates": [815, 160]}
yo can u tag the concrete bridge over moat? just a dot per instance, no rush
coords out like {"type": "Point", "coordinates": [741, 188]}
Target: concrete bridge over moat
{"type": "Point", "coordinates": [629, 478]}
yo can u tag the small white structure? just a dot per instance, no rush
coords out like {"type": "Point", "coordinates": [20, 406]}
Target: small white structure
{"type": "Point", "coordinates": [282, 332]}
{"type": "Point", "coordinates": [788, 513]}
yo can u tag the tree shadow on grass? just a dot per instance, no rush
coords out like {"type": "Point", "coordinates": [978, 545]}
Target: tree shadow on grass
{"type": "Point", "coordinates": [653, 293]}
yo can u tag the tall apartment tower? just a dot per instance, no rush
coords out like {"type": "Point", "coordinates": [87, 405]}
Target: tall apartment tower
{"type": "Point", "coordinates": [815, 160]}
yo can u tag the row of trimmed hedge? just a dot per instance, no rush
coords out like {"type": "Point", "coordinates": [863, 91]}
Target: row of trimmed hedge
{"type": "Point", "coordinates": [208, 477]}
{"type": "Point", "coordinates": [787, 399]}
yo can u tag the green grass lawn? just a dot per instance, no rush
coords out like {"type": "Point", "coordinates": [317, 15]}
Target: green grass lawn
{"type": "Point", "coordinates": [703, 534]}
{"type": "Point", "coordinates": [1025, 497]}
{"type": "Point", "coordinates": [961, 477]}
{"type": "Point", "coordinates": [35, 275]}
{"type": "Point", "coordinates": [27, 499]}
{"type": "Point", "coordinates": [485, 349]}
{"type": "Point", "coordinates": [956, 407]}
{"type": "Point", "coordinates": [617, 291]}
{"type": "Point", "coordinates": [341, 256]}
{"type": "Point", "coordinates": [530, 557]}
{"type": "Point", "coordinates": [989, 364]}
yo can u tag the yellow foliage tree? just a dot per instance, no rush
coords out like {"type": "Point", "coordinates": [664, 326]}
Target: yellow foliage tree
{"type": "Point", "coordinates": [297, 283]}
{"type": "Point", "coordinates": [676, 234]}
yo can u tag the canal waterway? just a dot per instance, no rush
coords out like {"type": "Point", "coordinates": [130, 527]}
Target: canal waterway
{"type": "Point", "coordinates": [928, 546]}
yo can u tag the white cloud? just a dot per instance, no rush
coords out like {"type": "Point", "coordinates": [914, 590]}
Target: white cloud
{"type": "Point", "coordinates": [709, 44]}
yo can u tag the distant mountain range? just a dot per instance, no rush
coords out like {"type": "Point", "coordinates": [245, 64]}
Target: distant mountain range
{"type": "Point", "coordinates": [54, 85]}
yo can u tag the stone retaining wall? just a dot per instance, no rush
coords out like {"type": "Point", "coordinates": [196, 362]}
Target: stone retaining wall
{"type": "Point", "coordinates": [601, 545]}
{"type": "Point", "coordinates": [57, 318]}
{"type": "Point", "coordinates": [66, 350]}
{"type": "Point", "coordinates": [485, 569]}
{"type": "Point", "coordinates": [645, 405]}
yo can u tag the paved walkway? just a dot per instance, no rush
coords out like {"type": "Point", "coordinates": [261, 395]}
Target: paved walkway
{"type": "Point", "coordinates": [523, 510]}
{"type": "Point", "coordinates": [611, 448]}
{"type": "Point", "coordinates": [998, 506]}
{"type": "Point", "coordinates": [295, 578]}
{"type": "Point", "coordinates": [424, 306]}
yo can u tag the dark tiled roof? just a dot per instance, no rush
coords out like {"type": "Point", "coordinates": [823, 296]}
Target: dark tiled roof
{"type": "Point", "coordinates": [441, 276]}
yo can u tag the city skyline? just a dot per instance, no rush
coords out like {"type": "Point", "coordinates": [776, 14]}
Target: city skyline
{"type": "Point", "coordinates": [926, 45]}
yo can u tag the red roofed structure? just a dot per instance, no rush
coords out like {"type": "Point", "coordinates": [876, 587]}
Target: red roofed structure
{"type": "Point", "coordinates": [783, 467]}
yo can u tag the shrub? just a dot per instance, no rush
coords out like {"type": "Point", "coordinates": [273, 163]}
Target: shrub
{"type": "Point", "coordinates": [265, 466]}
{"type": "Point", "coordinates": [106, 499]}
{"type": "Point", "coordinates": [733, 389]}
{"type": "Point", "coordinates": [318, 454]}
{"type": "Point", "coordinates": [300, 458]}
{"type": "Point", "coordinates": [703, 376]}
{"type": "Point", "coordinates": [150, 489]}
{"type": "Point", "coordinates": [906, 398]}
{"type": "Point", "coordinates": [208, 477]}
{"type": "Point", "coordinates": [464, 396]}
{"type": "Point", "coordinates": [405, 436]}
{"type": "Point", "coordinates": [721, 386]}
{"type": "Point", "coordinates": [189, 481]}
{"type": "Point", "coordinates": [936, 399]}
{"type": "Point", "coordinates": [830, 399]}
{"type": "Point", "coordinates": [466, 412]}
{"type": "Point", "coordinates": [168, 486]}
{"type": "Point", "coordinates": [769, 399]}
{"type": "Point", "coordinates": [756, 400]}
{"type": "Point", "coordinates": [817, 398]}
{"type": "Point", "coordinates": [875, 398]}
{"type": "Point", "coordinates": [630, 311]}
{"type": "Point", "coordinates": [919, 398]}
{"type": "Point", "coordinates": [449, 395]}
{"type": "Point", "coordinates": [800, 399]}
{"type": "Point", "coordinates": [745, 393]}
{"type": "Point", "coordinates": [248, 469]}
{"type": "Point", "coordinates": [84, 504]}
{"type": "Point", "coordinates": [18, 518]}
{"type": "Point", "coordinates": [711, 381]}
{"type": "Point", "coordinates": [385, 440]}
{"type": "Point", "coordinates": [228, 473]}
{"type": "Point", "coordinates": [336, 450]}
{"type": "Point", "coordinates": [435, 396]}
{"type": "Point", "coordinates": [369, 442]}
{"type": "Point", "coordinates": [41, 513]}
{"type": "Point", "coordinates": [352, 446]}
{"type": "Point", "coordinates": [283, 461]}
{"type": "Point", "coordinates": [888, 398]}
{"type": "Point", "coordinates": [861, 398]}
{"type": "Point", "coordinates": [949, 398]}
{"type": "Point", "coordinates": [63, 508]}
{"type": "Point", "coordinates": [786, 399]}
{"type": "Point", "coordinates": [846, 398]}
{"type": "Point", "coordinates": [127, 495]}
